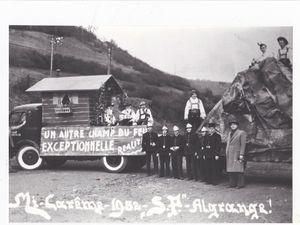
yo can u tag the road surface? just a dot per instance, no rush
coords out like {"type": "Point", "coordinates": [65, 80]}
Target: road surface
{"type": "Point", "coordinates": [84, 192]}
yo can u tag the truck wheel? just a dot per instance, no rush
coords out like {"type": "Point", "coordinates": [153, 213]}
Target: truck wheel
{"type": "Point", "coordinates": [114, 164]}
{"type": "Point", "coordinates": [54, 162]}
{"type": "Point", "coordinates": [28, 158]}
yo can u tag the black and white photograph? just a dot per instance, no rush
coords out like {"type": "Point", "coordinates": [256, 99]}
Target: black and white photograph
{"type": "Point", "coordinates": [131, 113]}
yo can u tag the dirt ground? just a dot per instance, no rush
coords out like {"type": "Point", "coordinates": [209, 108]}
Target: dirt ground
{"type": "Point", "coordinates": [84, 192]}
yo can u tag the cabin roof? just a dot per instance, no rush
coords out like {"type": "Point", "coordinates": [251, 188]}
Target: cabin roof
{"type": "Point", "coordinates": [31, 106]}
{"type": "Point", "coordinates": [75, 83]}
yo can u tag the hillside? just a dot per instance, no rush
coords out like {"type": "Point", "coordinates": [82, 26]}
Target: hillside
{"type": "Point", "coordinates": [83, 54]}
{"type": "Point", "coordinates": [217, 88]}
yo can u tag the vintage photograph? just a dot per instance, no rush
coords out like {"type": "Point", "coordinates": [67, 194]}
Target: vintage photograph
{"type": "Point", "coordinates": [149, 112]}
{"type": "Point", "coordinates": [137, 124]}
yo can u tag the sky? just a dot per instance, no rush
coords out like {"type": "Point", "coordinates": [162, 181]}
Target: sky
{"type": "Point", "coordinates": [215, 53]}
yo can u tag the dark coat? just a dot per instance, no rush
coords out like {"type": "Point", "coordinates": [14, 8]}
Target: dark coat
{"type": "Point", "coordinates": [190, 143]}
{"type": "Point", "coordinates": [164, 143]}
{"type": "Point", "coordinates": [147, 138]}
{"type": "Point", "coordinates": [201, 146]}
{"type": "Point", "coordinates": [212, 145]}
{"type": "Point", "coordinates": [177, 141]}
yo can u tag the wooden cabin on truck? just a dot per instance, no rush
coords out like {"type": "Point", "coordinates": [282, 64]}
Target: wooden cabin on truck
{"type": "Point", "coordinates": [72, 125]}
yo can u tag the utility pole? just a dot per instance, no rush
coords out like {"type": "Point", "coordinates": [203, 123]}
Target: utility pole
{"type": "Point", "coordinates": [51, 61]}
{"type": "Point", "coordinates": [109, 58]}
{"type": "Point", "coordinates": [54, 41]}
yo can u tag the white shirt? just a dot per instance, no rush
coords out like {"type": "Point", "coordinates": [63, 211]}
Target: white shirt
{"type": "Point", "coordinates": [127, 114]}
{"type": "Point", "coordinates": [109, 116]}
{"type": "Point", "coordinates": [194, 104]}
{"type": "Point", "coordinates": [146, 110]}
{"type": "Point", "coordinates": [288, 50]}
{"type": "Point", "coordinates": [263, 56]}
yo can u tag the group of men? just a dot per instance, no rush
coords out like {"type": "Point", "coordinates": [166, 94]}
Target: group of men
{"type": "Point", "coordinates": [128, 116]}
{"type": "Point", "coordinates": [201, 152]}
{"type": "Point", "coordinates": [167, 150]}
{"type": "Point", "coordinates": [284, 54]}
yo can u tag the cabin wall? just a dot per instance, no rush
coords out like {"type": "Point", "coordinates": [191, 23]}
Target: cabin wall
{"type": "Point", "coordinates": [92, 108]}
{"type": "Point", "coordinates": [80, 114]}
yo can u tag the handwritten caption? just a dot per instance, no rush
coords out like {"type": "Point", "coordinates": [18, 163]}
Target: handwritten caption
{"type": "Point", "coordinates": [170, 206]}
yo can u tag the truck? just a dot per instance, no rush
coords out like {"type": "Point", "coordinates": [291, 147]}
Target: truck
{"type": "Point", "coordinates": [68, 125]}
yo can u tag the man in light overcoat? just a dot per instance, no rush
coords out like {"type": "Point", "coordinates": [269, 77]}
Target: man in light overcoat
{"type": "Point", "coordinates": [235, 151]}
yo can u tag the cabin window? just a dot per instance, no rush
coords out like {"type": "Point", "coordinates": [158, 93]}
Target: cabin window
{"type": "Point", "coordinates": [65, 99]}
{"type": "Point", "coordinates": [17, 118]}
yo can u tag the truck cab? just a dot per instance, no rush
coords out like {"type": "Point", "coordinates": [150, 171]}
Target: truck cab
{"type": "Point", "coordinates": [25, 124]}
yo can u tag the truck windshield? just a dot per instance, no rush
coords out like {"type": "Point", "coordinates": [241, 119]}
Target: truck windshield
{"type": "Point", "coordinates": [17, 118]}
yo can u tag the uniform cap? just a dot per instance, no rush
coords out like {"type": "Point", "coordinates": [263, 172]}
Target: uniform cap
{"type": "Point", "coordinates": [164, 128]}
{"type": "Point", "coordinates": [175, 128]}
{"type": "Point", "coordinates": [203, 129]}
{"type": "Point", "coordinates": [142, 103]}
{"type": "Point", "coordinates": [189, 125]}
{"type": "Point", "coordinates": [149, 125]}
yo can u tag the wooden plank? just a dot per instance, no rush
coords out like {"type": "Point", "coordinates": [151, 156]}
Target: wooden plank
{"type": "Point", "coordinates": [75, 110]}
{"type": "Point", "coordinates": [73, 105]}
{"type": "Point", "coordinates": [83, 99]}
{"type": "Point", "coordinates": [73, 113]}
{"type": "Point", "coordinates": [47, 95]}
{"type": "Point", "coordinates": [59, 119]}
{"type": "Point", "coordinates": [54, 117]}
{"type": "Point", "coordinates": [65, 123]}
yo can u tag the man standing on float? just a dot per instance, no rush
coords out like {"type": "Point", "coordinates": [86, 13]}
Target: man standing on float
{"type": "Point", "coordinates": [194, 111]}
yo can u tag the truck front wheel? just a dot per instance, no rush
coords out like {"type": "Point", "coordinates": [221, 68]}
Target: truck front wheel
{"type": "Point", "coordinates": [114, 164]}
{"type": "Point", "coordinates": [28, 158]}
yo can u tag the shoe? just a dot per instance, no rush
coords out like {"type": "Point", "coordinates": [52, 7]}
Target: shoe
{"type": "Point", "coordinates": [239, 187]}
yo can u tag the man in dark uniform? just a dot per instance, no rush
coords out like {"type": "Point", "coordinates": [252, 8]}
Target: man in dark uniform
{"type": "Point", "coordinates": [198, 164]}
{"type": "Point", "coordinates": [176, 148]}
{"type": "Point", "coordinates": [190, 140]}
{"type": "Point", "coordinates": [164, 152]}
{"type": "Point", "coordinates": [211, 153]}
{"type": "Point", "coordinates": [149, 145]}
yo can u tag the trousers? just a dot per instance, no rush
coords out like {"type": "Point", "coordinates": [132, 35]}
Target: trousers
{"type": "Point", "coordinates": [177, 166]}
{"type": "Point", "coordinates": [164, 162]}
{"type": "Point", "coordinates": [152, 155]}
{"type": "Point", "coordinates": [198, 168]}
{"type": "Point", "coordinates": [189, 161]}
{"type": "Point", "coordinates": [211, 170]}
{"type": "Point", "coordinates": [236, 179]}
